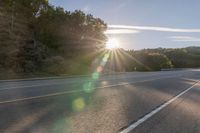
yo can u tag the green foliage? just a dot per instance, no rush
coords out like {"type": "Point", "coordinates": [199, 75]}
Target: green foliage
{"type": "Point", "coordinates": [68, 32]}
{"type": "Point", "coordinates": [156, 59]}
{"type": "Point", "coordinates": [37, 37]}
{"type": "Point", "coordinates": [148, 61]}
{"type": "Point", "coordinates": [31, 57]}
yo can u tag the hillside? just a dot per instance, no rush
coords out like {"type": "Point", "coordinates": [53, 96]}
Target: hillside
{"type": "Point", "coordinates": [38, 38]}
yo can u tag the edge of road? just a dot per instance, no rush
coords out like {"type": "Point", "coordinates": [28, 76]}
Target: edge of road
{"type": "Point", "coordinates": [56, 77]}
{"type": "Point", "coordinates": [74, 91]}
{"type": "Point", "coordinates": [72, 76]}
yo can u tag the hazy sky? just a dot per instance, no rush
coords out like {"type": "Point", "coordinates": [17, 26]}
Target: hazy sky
{"type": "Point", "coordinates": [141, 24]}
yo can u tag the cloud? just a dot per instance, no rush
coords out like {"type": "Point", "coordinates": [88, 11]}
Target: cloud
{"type": "Point", "coordinates": [184, 39]}
{"type": "Point", "coordinates": [121, 31]}
{"type": "Point", "coordinates": [152, 28]}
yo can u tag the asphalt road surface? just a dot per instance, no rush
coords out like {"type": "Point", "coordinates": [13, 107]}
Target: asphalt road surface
{"type": "Point", "coordinates": [138, 102]}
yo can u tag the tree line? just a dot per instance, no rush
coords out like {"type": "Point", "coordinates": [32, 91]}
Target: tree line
{"type": "Point", "coordinates": [158, 59]}
{"type": "Point", "coordinates": [36, 37]}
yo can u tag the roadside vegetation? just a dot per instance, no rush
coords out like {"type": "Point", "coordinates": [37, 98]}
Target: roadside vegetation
{"type": "Point", "coordinates": [37, 38]}
{"type": "Point", "coordinates": [166, 58]}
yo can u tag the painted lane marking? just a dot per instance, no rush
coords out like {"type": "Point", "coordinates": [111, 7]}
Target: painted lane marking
{"type": "Point", "coordinates": [29, 86]}
{"type": "Point", "coordinates": [155, 111]}
{"type": "Point", "coordinates": [63, 83]}
{"type": "Point", "coordinates": [37, 97]}
{"type": "Point", "coordinates": [190, 79]}
{"type": "Point", "coordinates": [75, 91]}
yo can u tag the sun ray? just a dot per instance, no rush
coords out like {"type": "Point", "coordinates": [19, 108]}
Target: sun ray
{"type": "Point", "coordinates": [112, 43]}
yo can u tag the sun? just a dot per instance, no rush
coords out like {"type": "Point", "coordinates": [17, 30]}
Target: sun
{"type": "Point", "coordinates": [112, 43]}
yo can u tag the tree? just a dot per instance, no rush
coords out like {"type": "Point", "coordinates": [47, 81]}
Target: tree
{"type": "Point", "coordinates": [34, 31]}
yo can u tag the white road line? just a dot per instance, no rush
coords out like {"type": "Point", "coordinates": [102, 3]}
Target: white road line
{"type": "Point", "coordinates": [137, 82]}
{"type": "Point", "coordinates": [189, 79]}
{"type": "Point", "coordinates": [149, 115]}
{"type": "Point", "coordinates": [75, 91]}
{"type": "Point", "coordinates": [29, 86]}
{"type": "Point", "coordinates": [49, 84]}
{"type": "Point", "coordinates": [42, 96]}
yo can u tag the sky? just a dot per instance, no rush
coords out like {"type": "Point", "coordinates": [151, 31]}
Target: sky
{"type": "Point", "coordinates": [139, 24]}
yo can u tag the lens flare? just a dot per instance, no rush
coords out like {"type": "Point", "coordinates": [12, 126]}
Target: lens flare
{"type": "Point", "coordinates": [112, 43]}
{"type": "Point", "coordinates": [78, 104]}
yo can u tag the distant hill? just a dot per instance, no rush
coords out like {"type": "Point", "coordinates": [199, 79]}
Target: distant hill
{"type": "Point", "coordinates": [188, 57]}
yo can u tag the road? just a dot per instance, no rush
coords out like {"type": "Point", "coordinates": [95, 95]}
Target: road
{"type": "Point", "coordinates": [137, 102]}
